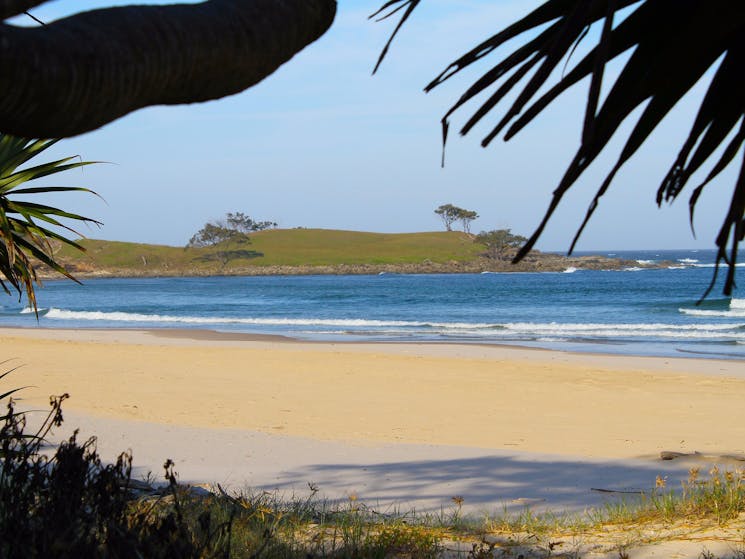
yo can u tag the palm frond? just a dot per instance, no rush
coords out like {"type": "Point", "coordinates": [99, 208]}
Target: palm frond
{"type": "Point", "coordinates": [387, 10]}
{"type": "Point", "coordinates": [673, 45]}
{"type": "Point", "coordinates": [25, 236]}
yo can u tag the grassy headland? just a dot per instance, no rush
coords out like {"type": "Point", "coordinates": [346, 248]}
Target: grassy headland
{"type": "Point", "coordinates": [312, 251]}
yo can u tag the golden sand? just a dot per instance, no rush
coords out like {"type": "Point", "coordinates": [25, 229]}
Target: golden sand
{"type": "Point", "coordinates": [490, 397]}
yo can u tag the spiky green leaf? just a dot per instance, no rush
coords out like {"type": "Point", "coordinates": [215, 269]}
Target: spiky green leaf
{"type": "Point", "coordinates": [25, 236]}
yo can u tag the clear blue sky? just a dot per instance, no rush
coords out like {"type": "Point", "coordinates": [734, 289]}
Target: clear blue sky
{"type": "Point", "coordinates": [322, 143]}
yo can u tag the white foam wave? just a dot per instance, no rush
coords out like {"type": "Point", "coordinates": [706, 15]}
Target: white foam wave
{"type": "Point", "coordinates": [736, 310]}
{"type": "Point", "coordinates": [590, 327]}
{"type": "Point", "coordinates": [567, 331]}
{"type": "Point", "coordinates": [62, 314]}
{"type": "Point", "coordinates": [688, 260]}
{"type": "Point", "coordinates": [562, 332]}
{"type": "Point", "coordinates": [676, 267]}
{"type": "Point", "coordinates": [721, 314]}
{"type": "Point", "coordinates": [29, 310]}
{"type": "Point", "coordinates": [515, 330]}
{"type": "Point", "coordinates": [677, 331]}
{"type": "Point", "coordinates": [570, 270]}
{"type": "Point", "coordinates": [740, 265]}
{"type": "Point", "coordinates": [633, 269]}
{"type": "Point", "coordinates": [645, 262]}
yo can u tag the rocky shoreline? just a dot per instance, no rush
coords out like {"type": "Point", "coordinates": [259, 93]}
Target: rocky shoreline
{"type": "Point", "coordinates": [540, 262]}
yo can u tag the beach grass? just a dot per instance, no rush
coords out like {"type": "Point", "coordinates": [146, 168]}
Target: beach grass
{"type": "Point", "coordinates": [269, 525]}
{"type": "Point", "coordinates": [101, 513]}
{"type": "Point", "coordinates": [708, 508]}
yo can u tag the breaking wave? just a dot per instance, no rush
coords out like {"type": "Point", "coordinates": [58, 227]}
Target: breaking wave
{"type": "Point", "coordinates": [496, 331]}
{"type": "Point", "coordinates": [736, 310]}
{"type": "Point", "coordinates": [62, 314]}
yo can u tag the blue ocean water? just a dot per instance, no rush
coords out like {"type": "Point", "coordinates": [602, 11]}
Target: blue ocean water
{"type": "Point", "coordinates": [634, 311]}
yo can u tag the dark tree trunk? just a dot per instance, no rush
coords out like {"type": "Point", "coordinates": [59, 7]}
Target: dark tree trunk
{"type": "Point", "coordinates": [81, 72]}
{"type": "Point", "coordinates": [9, 8]}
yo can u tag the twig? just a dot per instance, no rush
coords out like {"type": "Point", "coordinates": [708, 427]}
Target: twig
{"type": "Point", "coordinates": [671, 455]}
{"type": "Point", "coordinates": [36, 19]}
{"type": "Point", "coordinates": [627, 492]}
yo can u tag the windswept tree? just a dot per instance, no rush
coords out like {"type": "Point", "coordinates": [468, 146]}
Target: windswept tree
{"type": "Point", "coordinates": [227, 238]}
{"type": "Point", "coordinates": [241, 222]}
{"type": "Point", "coordinates": [233, 229]}
{"type": "Point", "coordinates": [500, 243]}
{"type": "Point", "coordinates": [215, 233]}
{"type": "Point", "coordinates": [466, 217]}
{"type": "Point", "coordinates": [672, 46]}
{"type": "Point", "coordinates": [450, 214]}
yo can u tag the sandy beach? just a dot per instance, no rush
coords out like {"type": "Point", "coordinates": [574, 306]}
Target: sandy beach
{"type": "Point", "coordinates": [499, 424]}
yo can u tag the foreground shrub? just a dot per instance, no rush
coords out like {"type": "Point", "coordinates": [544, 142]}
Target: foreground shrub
{"type": "Point", "coordinates": [66, 503]}
{"type": "Point", "coordinates": [70, 504]}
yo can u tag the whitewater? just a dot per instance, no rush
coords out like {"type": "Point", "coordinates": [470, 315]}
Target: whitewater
{"type": "Point", "coordinates": [634, 311]}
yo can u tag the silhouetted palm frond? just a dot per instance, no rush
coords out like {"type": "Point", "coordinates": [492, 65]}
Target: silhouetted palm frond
{"type": "Point", "coordinates": [25, 237]}
{"type": "Point", "coordinates": [673, 43]}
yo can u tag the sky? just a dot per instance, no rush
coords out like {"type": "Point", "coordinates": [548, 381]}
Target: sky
{"type": "Point", "coordinates": [323, 143]}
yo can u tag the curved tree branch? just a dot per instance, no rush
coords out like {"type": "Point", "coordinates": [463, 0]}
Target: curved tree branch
{"type": "Point", "coordinates": [10, 8]}
{"type": "Point", "coordinates": [79, 73]}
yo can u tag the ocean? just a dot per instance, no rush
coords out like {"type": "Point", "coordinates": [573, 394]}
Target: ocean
{"type": "Point", "coordinates": [634, 311]}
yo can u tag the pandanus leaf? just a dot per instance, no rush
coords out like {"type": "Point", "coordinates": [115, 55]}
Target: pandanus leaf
{"type": "Point", "coordinates": [674, 45]}
{"type": "Point", "coordinates": [25, 236]}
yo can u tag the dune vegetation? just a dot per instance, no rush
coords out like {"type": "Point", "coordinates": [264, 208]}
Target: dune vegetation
{"type": "Point", "coordinates": [69, 503]}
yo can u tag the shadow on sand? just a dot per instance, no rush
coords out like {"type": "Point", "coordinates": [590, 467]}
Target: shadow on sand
{"type": "Point", "coordinates": [489, 483]}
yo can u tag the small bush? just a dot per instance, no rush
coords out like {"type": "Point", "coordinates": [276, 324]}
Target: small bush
{"type": "Point", "coordinates": [721, 496]}
{"type": "Point", "coordinates": [70, 504]}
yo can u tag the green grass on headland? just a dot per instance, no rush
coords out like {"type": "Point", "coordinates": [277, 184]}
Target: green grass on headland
{"type": "Point", "coordinates": [277, 247]}
{"type": "Point", "coordinates": [326, 247]}
{"type": "Point", "coordinates": [309, 251]}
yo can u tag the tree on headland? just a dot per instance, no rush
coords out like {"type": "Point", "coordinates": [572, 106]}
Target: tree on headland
{"type": "Point", "coordinates": [466, 217]}
{"type": "Point", "coordinates": [450, 214]}
{"type": "Point", "coordinates": [233, 229]}
{"type": "Point", "coordinates": [499, 243]}
{"type": "Point", "coordinates": [672, 46]}
{"type": "Point", "coordinates": [241, 222]}
{"type": "Point", "coordinates": [223, 235]}
{"type": "Point", "coordinates": [215, 233]}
